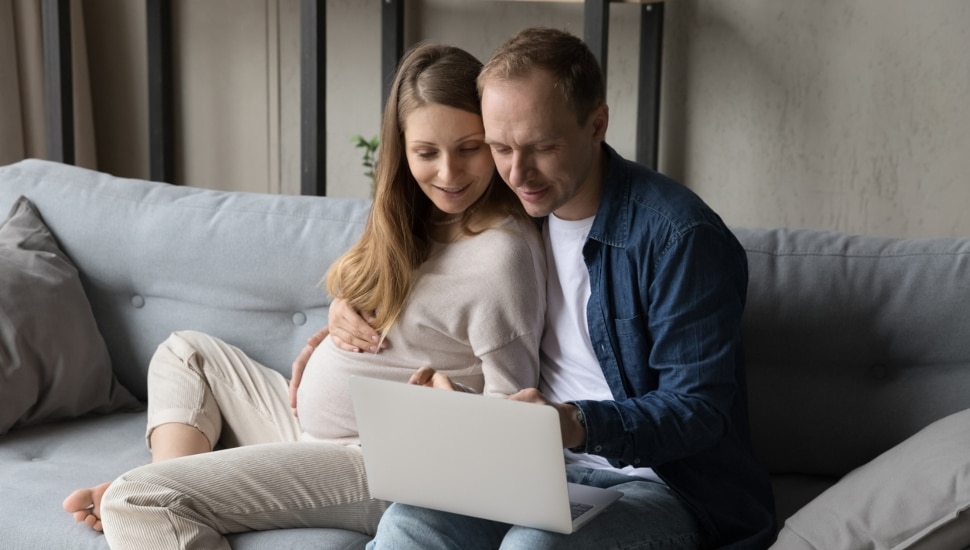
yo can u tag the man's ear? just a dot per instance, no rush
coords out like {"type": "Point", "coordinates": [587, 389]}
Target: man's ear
{"type": "Point", "coordinates": [600, 119]}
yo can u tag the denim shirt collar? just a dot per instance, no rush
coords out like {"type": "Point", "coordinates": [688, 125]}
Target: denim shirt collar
{"type": "Point", "coordinates": [612, 223]}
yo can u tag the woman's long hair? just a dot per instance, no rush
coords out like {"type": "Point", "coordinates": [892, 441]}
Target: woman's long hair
{"type": "Point", "coordinates": [376, 275]}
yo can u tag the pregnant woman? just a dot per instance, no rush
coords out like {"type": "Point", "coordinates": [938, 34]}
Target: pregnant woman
{"type": "Point", "coordinates": [449, 268]}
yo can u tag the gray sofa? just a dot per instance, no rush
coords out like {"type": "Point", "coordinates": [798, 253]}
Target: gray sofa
{"type": "Point", "coordinates": [854, 345]}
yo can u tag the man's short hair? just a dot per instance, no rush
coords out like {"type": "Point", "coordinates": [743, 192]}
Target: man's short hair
{"type": "Point", "coordinates": [574, 68]}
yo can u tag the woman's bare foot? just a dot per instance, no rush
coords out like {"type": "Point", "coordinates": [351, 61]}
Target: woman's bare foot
{"type": "Point", "coordinates": [169, 441]}
{"type": "Point", "coordinates": [85, 504]}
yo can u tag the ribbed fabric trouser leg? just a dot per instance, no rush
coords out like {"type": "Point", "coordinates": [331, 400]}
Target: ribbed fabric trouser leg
{"type": "Point", "coordinates": [191, 502]}
{"type": "Point", "coordinates": [270, 480]}
{"type": "Point", "coordinates": [199, 380]}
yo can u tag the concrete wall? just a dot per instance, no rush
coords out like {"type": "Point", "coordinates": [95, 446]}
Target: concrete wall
{"type": "Point", "coordinates": [850, 115]}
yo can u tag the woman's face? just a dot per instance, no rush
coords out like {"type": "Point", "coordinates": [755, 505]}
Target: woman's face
{"type": "Point", "coordinates": [446, 153]}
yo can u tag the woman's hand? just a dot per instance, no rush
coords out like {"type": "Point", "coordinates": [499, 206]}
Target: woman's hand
{"type": "Point", "coordinates": [427, 376]}
{"type": "Point", "coordinates": [351, 331]}
{"type": "Point", "coordinates": [299, 364]}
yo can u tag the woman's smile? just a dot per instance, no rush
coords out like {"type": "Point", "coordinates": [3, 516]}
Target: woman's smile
{"type": "Point", "coordinates": [453, 191]}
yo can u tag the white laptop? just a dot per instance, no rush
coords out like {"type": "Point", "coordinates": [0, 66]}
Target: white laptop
{"type": "Point", "coordinates": [467, 454]}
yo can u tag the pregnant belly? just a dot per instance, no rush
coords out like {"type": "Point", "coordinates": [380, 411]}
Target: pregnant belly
{"type": "Point", "coordinates": [324, 406]}
{"type": "Point", "coordinates": [323, 399]}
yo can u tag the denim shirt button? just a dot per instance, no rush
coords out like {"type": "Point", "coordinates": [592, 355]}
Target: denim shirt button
{"type": "Point", "coordinates": [598, 448]}
{"type": "Point", "coordinates": [636, 461]}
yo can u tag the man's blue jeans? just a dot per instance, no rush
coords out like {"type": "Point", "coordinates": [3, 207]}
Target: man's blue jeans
{"type": "Point", "coordinates": [648, 515]}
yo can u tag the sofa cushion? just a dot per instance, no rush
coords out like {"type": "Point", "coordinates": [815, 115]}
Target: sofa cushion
{"type": "Point", "coordinates": [839, 327]}
{"type": "Point", "coordinates": [906, 498]}
{"type": "Point", "coordinates": [156, 258]}
{"type": "Point", "coordinates": [53, 361]}
{"type": "Point", "coordinates": [41, 465]}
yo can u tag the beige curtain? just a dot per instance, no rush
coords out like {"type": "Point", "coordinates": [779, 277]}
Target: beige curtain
{"type": "Point", "coordinates": [22, 112]}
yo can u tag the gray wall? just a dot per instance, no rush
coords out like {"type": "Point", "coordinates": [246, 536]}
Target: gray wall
{"type": "Point", "coordinates": [851, 115]}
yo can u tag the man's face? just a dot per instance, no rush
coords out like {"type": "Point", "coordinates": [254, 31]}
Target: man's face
{"type": "Point", "coordinates": [540, 149]}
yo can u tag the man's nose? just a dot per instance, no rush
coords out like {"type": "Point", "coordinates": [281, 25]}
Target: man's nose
{"type": "Point", "coordinates": [520, 171]}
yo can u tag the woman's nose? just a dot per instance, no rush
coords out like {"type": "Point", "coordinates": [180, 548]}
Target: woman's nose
{"type": "Point", "coordinates": [449, 170]}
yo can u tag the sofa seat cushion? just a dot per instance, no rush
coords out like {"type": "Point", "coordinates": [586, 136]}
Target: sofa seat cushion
{"type": "Point", "coordinates": [901, 499]}
{"type": "Point", "coordinates": [41, 465]}
{"type": "Point", "coordinates": [331, 539]}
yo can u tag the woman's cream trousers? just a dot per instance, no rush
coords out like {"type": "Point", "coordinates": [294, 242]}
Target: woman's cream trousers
{"type": "Point", "coordinates": [268, 479]}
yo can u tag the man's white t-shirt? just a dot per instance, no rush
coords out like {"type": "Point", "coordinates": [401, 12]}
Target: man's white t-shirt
{"type": "Point", "coordinates": [569, 369]}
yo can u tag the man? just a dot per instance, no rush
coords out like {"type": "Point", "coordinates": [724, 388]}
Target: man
{"type": "Point", "coordinates": [641, 353]}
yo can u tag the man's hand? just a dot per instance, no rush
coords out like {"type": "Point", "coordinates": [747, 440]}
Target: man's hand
{"type": "Point", "coordinates": [299, 364]}
{"type": "Point", "coordinates": [351, 331]}
{"type": "Point", "coordinates": [573, 431]}
{"type": "Point", "coordinates": [427, 376]}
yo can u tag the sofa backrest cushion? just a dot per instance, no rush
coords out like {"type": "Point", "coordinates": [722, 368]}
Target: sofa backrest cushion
{"type": "Point", "coordinates": [853, 343]}
{"type": "Point", "coordinates": [154, 258]}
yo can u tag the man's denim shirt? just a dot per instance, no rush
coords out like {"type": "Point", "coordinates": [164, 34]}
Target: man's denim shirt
{"type": "Point", "coordinates": [668, 285]}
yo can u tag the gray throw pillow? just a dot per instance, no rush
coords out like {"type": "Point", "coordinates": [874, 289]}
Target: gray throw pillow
{"type": "Point", "coordinates": [53, 361]}
{"type": "Point", "coordinates": [914, 496]}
